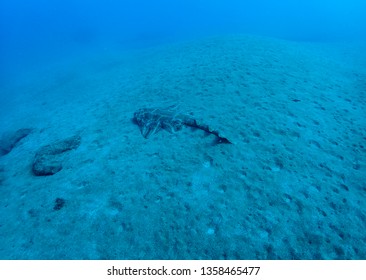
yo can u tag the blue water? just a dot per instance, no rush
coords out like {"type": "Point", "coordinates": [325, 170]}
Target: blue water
{"type": "Point", "coordinates": [56, 27]}
{"type": "Point", "coordinates": [283, 80]}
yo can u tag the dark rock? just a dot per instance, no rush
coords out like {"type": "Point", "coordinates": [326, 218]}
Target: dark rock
{"type": "Point", "coordinates": [59, 203]}
{"type": "Point", "coordinates": [48, 159]}
{"type": "Point", "coordinates": [45, 166]}
{"type": "Point", "coordinates": [2, 177]}
{"type": "Point", "coordinates": [10, 140]}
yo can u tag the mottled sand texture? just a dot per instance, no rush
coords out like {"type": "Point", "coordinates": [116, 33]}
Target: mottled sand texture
{"type": "Point", "coordinates": [291, 186]}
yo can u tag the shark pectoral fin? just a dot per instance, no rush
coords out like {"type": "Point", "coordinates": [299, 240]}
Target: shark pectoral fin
{"type": "Point", "coordinates": [150, 129]}
{"type": "Point", "coordinates": [173, 126]}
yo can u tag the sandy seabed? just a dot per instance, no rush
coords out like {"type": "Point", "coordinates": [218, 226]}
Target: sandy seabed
{"type": "Point", "coordinates": [291, 186]}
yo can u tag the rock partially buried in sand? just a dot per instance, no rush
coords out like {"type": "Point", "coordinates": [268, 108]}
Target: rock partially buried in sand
{"type": "Point", "coordinates": [10, 140]}
{"type": "Point", "coordinates": [48, 159]}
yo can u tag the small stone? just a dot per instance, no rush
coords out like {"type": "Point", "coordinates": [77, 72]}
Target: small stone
{"type": "Point", "coordinates": [59, 203]}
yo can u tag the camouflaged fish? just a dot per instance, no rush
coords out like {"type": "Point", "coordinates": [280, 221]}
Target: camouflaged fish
{"type": "Point", "coordinates": [152, 120]}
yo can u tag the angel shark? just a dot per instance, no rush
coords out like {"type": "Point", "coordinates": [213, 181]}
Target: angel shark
{"type": "Point", "coordinates": [152, 120]}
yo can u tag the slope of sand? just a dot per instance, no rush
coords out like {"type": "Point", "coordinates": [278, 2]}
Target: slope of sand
{"type": "Point", "coordinates": [292, 186]}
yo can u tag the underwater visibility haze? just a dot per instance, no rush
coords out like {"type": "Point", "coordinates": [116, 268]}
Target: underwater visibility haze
{"type": "Point", "coordinates": [194, 129]}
